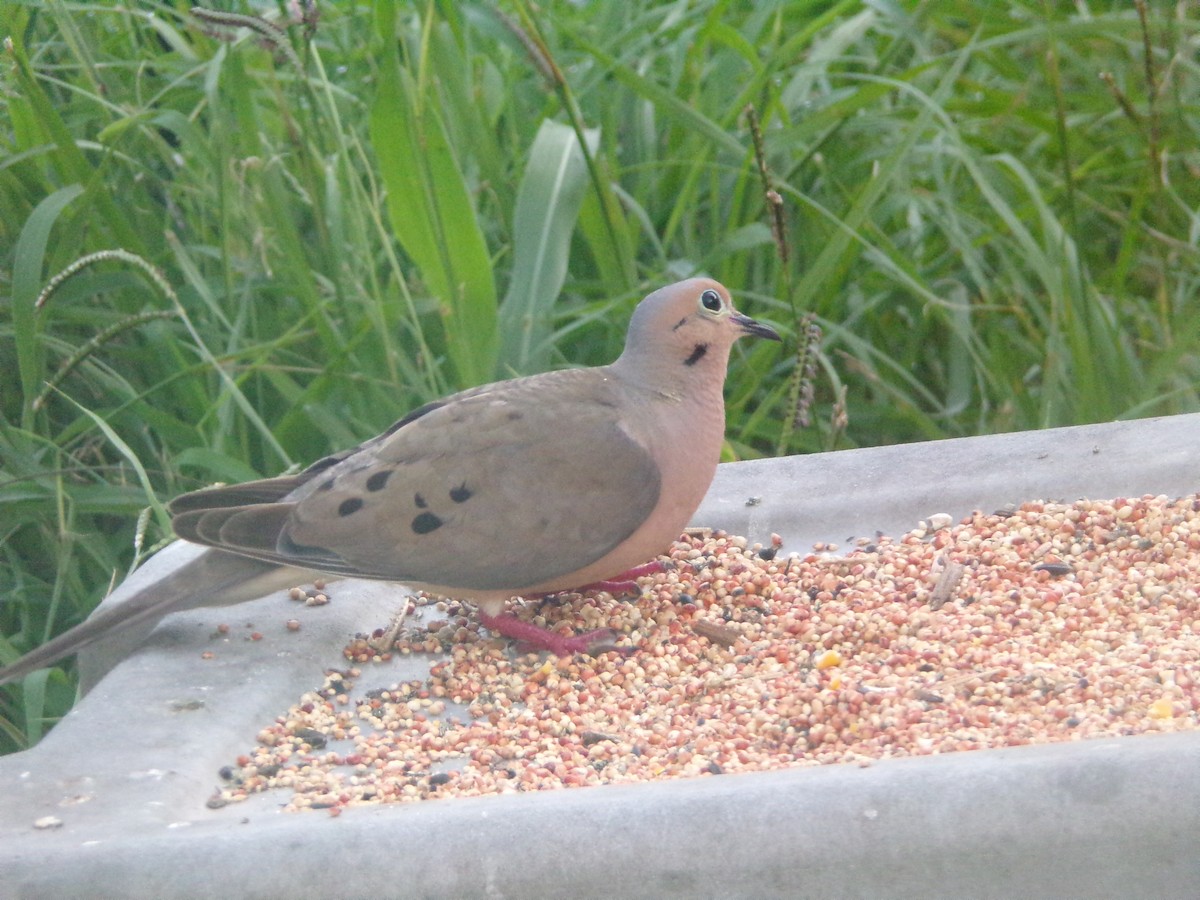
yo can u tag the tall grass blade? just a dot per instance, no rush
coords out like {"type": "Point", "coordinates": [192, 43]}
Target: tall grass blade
{"type": "Point", "coordinates": [431, 210]}
{"type": "Point", "coordinates": [547, 208]}
{"type": "Point", "coordinates": [30, 257]}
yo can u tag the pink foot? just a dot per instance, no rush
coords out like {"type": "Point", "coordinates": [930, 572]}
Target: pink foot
{"type": "Point", "coordinates": [590, 642]}
{"type": "Point", "coordinates": [626, 582]}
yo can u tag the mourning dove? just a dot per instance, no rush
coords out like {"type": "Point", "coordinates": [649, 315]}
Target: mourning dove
{"type": "Point", "coordinates": [518, 488]}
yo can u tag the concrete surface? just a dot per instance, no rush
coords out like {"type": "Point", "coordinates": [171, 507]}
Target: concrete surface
{"type": "Point", "coordinates": [129, 770]}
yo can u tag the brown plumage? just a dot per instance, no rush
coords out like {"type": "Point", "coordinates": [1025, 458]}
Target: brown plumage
{"type": "Point", "coordinates": [521, 487]}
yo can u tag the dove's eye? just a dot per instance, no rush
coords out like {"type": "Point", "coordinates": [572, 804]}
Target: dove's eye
{"type": "Point", "coordinates": [711, 300]}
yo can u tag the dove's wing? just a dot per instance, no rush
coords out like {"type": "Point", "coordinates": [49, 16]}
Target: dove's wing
{"type": "Point", "coordinates": [495, 489]}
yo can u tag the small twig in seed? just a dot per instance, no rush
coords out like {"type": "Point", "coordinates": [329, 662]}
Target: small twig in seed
{"type": "Point", "coordinates": [718, 634]}
{"type": "Point", "coordinates": [947, 583]}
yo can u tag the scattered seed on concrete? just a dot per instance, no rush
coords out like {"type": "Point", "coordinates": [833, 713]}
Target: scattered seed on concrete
{"type": "Point", "coordinates": [1066, 622]}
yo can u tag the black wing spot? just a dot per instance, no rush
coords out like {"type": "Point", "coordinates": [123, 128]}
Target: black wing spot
{"type": "Point", "coordinates": [461, 494]}
{"type": "Point", "coordinates": [379, 480]}
{"type": "Point", "coordinates": [350, 507]}
{"type": "Point", "coordinates": [513, 416]}
{"type": "Point", "coordinates": [697, 354]}
{"type": "Point", "coordinates": [426, 522]}
{"type": "Point", "coordinates": [420, 501]}
{"type": "Point", "coordinates": [326, 485]}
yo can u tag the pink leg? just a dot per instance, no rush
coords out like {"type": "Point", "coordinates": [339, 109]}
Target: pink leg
{"type": "Point", "coordinates": [565, 645]}
{"type": "Point", "coordinates": [543, 639]}
{"type": "Point", "coordinates": [626, 582]}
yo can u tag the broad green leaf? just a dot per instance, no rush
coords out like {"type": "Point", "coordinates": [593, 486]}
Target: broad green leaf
{"type": "Point", "coordinates": [547, 208]}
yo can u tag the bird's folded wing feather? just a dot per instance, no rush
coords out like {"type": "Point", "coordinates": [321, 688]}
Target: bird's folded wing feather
{"type": "Point", "coordinates": [492, 489]}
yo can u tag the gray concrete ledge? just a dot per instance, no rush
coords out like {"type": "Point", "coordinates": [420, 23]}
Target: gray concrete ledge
{"type": "Point", "coordinates": [129, 770]}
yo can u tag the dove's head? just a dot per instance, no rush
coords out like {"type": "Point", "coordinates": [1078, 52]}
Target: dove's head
{"type": "Point", "coordinates": [685, 329]}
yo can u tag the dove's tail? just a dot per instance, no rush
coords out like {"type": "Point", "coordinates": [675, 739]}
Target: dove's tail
{"type": "Point", "coordinates": [214, 578]}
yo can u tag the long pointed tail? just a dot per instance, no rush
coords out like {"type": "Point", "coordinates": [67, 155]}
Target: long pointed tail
{"type": "Point", "coordinates": [214, 578]}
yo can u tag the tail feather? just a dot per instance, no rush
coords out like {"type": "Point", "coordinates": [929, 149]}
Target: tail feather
{"type": "Point", "coordinates": [214, 578]}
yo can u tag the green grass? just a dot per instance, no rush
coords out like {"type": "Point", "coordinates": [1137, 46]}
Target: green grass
{"type": "Point", "coordinates": [990, 211]}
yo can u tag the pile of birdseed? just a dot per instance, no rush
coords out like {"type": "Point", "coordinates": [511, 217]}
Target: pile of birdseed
{"type": "Point", "coordinates": [1051, 622]}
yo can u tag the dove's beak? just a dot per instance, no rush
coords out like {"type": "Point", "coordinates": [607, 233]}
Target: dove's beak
{"type": "Point", "coordinates": [758, 329]}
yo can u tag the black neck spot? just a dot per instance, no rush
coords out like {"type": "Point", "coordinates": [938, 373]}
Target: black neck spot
{"type": "Point", "coordinates": [697, 354]}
